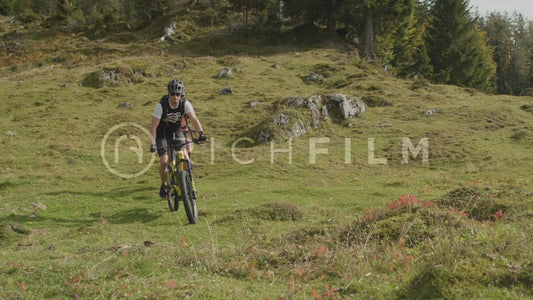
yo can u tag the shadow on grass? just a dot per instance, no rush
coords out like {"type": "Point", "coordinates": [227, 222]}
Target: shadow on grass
{"type": "Point", "coordinates": [123, 192]}
{"type": "Point", "coordinates": [142, 215]}
{"type": "Point", "coordinates": [116, 209]}
{"type": "Point", "coordinates": [70, 222]}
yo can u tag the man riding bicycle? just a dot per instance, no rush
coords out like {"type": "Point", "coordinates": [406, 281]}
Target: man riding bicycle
{"type": "Point", "coordinates": [169, 122]}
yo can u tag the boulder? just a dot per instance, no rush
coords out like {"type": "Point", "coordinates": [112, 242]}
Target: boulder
{"type": "Point", "coordinates": [225, 73]}
{"type": "Point", "coordinates": [169, 31]}
{"type": "Point", "coordinates": [226, 91]}
{"type": "Point", "coordinates": [298, 129]}
{"type": "Point", "coordinates": [314, 77]}
{"type": "Point", "coordinates": [265, 136]}
{"type": "Point", "coordinates": [126, 105]}
{"type": "Point", "coordinates": [315, 104]}
{"type": "Point", "coordinates": [281, 120]}
{"type": "Point", "coordinates": [430, 112]}
{"type": "Point", "coordinates": [305, 113]}
{"type": "Point", "coordinates": [294, 127]}
{"type": "Point", "coordinates": [350, 107]}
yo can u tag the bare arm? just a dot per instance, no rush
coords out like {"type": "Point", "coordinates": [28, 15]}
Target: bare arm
{"type": "Point", "coordinates": [153, 127]}
{"type": "Point", "coordinates": [197, 125]}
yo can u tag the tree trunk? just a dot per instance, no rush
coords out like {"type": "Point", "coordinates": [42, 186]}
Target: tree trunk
{"type": "Point", "coordinates": [332, 23]}
{"type": "Point", "coordinates": [369, 36]}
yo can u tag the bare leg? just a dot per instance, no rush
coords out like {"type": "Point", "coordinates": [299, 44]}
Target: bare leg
{"type": "Point", "coordinates": [186, 154]}
{"type": "Point", "coordinates": [163, 169]}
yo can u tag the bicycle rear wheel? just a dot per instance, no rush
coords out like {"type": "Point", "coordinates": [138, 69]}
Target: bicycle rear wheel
{"type": "Point", "coordinates": [189, 202]}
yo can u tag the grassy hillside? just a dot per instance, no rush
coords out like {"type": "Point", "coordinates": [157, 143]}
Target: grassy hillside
{"type": "Point", "coordinates": [456, 226]}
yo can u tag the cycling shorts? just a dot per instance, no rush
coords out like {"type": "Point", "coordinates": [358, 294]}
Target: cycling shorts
{"type": "Point", "coordinates": [162, 143]}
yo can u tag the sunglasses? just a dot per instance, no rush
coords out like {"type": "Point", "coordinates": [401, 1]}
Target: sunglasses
{"type": "Point", "coordinates": [175, 94]}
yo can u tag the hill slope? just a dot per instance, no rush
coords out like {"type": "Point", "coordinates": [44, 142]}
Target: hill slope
{"type": "Point", "coordinates": [277, 225]}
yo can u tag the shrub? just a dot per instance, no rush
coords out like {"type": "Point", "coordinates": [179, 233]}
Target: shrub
{"type": "Point", "coordinates": [28, 16]}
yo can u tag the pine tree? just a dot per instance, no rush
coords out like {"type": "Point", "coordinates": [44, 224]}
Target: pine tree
{"type": "Point", "coordinates": [499, 30]}
{"type": "Point", "coordinates": [409, 52]}
{"type": "Point", "coordinates": [325, 12]}
{"type": "Point", "coordinates": [457, 48]}
{"type": "Point", "coordinates": [248, 6]}
{"type": "Point", "coordinates": [4, 7]}
{"type": "Point", "coordinates": [520, 58]}
{"type": "Point", "coordinates": [529, 90]}
{"type": "Point", "coordinates": [376, 19]}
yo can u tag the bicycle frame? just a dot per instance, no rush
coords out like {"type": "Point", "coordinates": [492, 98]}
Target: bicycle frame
{"type": "Point", "coordinates": [180, 166]}
{"type": "Point", "coordinates": [181, 182]}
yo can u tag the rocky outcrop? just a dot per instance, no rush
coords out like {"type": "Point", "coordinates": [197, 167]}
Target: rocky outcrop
{"type": "Point", "coordinates": [305, 114]}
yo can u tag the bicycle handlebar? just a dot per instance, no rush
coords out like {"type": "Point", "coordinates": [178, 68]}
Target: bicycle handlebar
{"type": "Point", "coordinates": [174, 143]}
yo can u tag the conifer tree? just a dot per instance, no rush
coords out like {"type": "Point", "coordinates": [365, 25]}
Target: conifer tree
{"type": "Point", "coordinates": [530, 50]}
{"type": "Point", "coordinates": [520, 58]}
{"type": "Point", "coordinates": [4, 7]}
{"type": "Point", "coordinates": [457, 49]}
{"type": "Point", "coordinates": [325, 12]}
{"type": "Point", "coordinates": [499, 30]}
{"type": "Point", "coordinates": [373, 18]}
{"type": "Point", "coordinates": [409, 52]}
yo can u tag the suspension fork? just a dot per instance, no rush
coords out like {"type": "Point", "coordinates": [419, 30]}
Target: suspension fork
{"type": "Point", "coordinates": [174, 174]}
{"type": "Point", "coordinates": [181, 164]}
{"type": "Point", "coordinates": [193, 186]}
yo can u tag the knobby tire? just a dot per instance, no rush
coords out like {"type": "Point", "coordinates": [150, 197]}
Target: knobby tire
{"type": "Point", "coordinates": [172, 197]}
{"type": "Point", "coordinates": [187, 197]}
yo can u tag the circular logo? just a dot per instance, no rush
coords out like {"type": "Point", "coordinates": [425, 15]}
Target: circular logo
{"type": "Point", "coordinates": [133, 146]}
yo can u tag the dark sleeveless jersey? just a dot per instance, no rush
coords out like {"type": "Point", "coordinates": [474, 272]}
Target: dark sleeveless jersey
{"type": "Point", "coordinates": [173, 120]}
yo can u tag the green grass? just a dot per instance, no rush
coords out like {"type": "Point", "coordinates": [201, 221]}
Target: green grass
{"type": "Point", "coordinates": [287, 229]}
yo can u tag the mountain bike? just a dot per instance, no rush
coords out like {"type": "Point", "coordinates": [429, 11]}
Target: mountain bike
{"type": "Point", "coordinates": [181, 181]}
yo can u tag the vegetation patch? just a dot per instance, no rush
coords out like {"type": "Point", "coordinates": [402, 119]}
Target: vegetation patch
{"type": "Point", "coordinates": [375, 101]}
{"type": "Point", "coordinates": [407, 219]}
{"type": "Point", "coordinates": [280, 125]}
{"type": "Point", "coordinates": [327, 70]}
{"type": "Point", "coordinates": [272, 211]}
{"type": "Point", "coordinates": [521, 134]}
{"type": "Point", "coordinates": [474, 202]}
{"type": "Point", "coordinates": [9, 231]}
{"type": "Point", "coordinates": [527, 107]}
{"type": "Point", "coordinates": [117, 75]}
{"type": "Point", "coordinates": [277, 211]}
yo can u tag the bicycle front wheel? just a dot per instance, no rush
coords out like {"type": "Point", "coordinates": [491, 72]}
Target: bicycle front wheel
{"type": "Point", "coordinates": [187, 197]}
{"type": "Point", "coordinates": [172, 196]}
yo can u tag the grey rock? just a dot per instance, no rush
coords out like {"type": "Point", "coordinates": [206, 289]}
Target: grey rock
{"type": "Point", "coordinates": [126, 105]}
{"type": "Point", "coordinates": [226, 91]}
{"type": "Point", "coordinates": [350, 107]}
{"type": "Point", "coordinates": [225, 73]}
{"type": "Point", "coordinates": [314, 77]}
{"type": "Point", "coordinates": [430, 112]}
{"type": "Point", "coordinates": [281, 120]}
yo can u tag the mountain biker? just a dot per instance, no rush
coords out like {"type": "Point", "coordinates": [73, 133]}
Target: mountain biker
{"type": "Point", "coordinates": [169, 122]}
